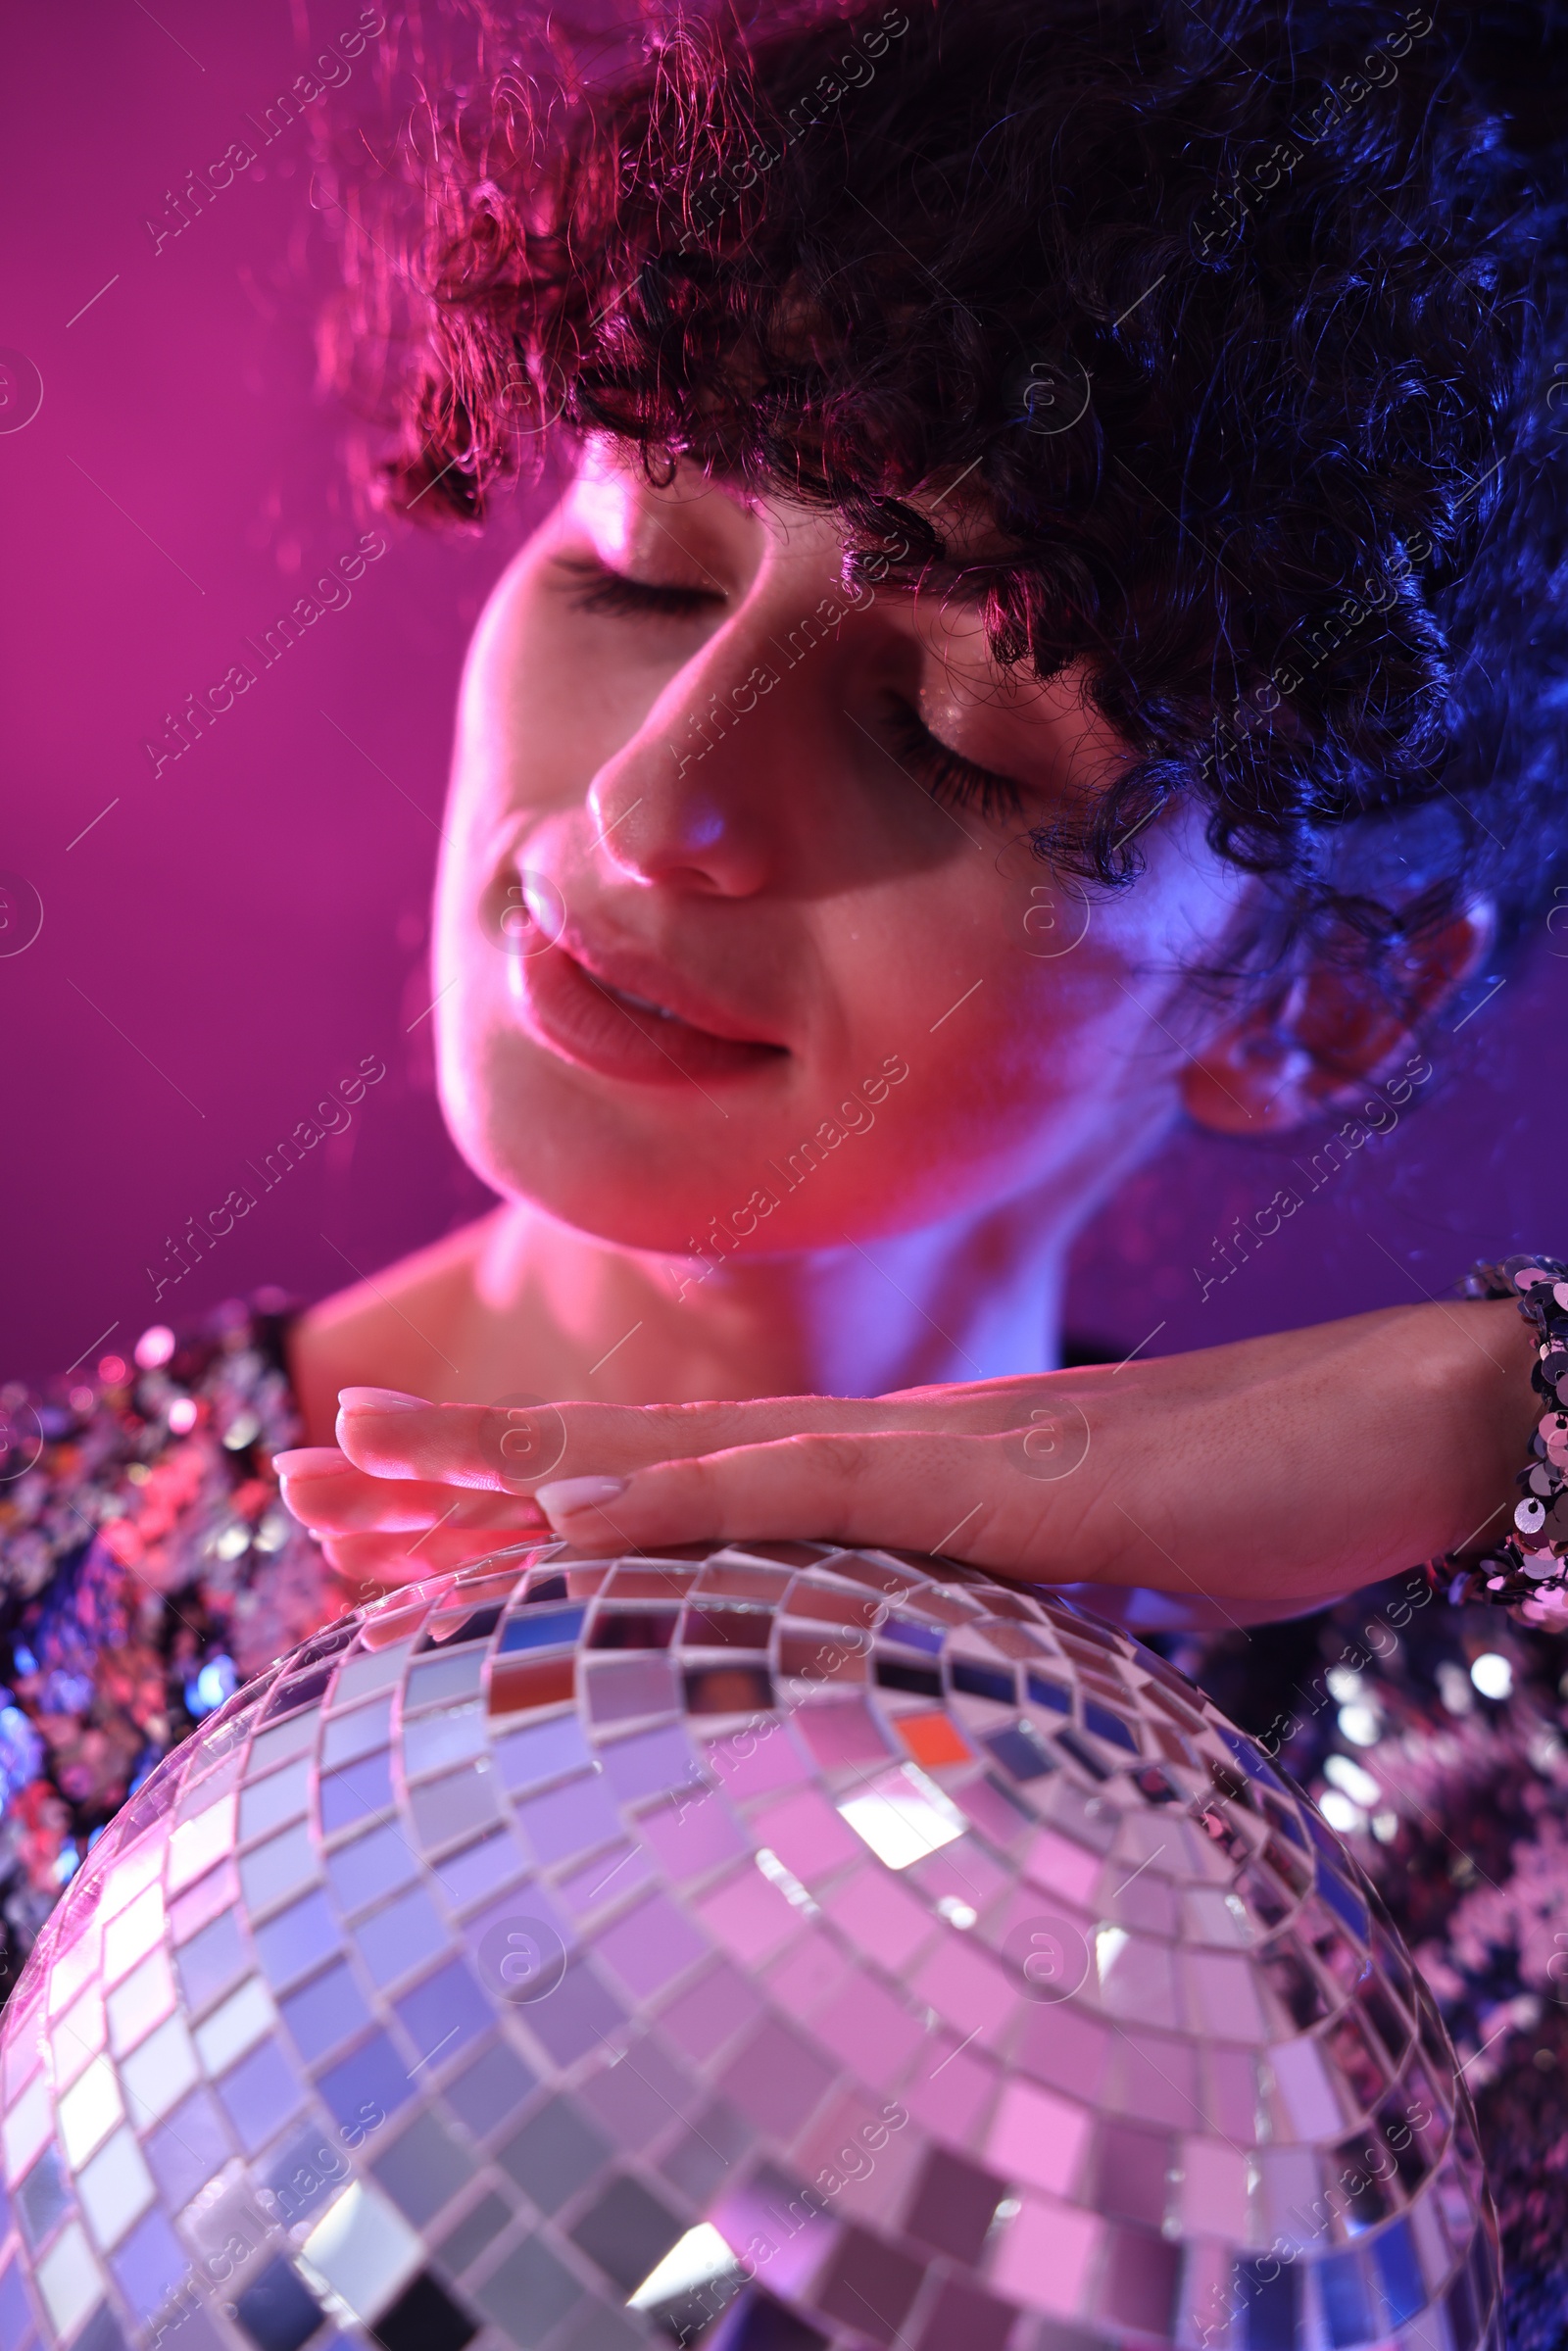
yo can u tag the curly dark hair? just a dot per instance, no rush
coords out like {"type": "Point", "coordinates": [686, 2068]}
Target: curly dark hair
{"type": "Point", "coordinates": [1243, 322]}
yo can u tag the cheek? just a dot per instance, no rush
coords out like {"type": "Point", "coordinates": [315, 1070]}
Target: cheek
{"type": "Point", "coordinates": [466, 966]}
{"type": "Point", "coordinates": [470, 969]}
{"type": "Point", "coordinates": [1053, 1071]}
{"type": "Point", "coordinates": [530, 688]}
{"type": "Point", "coordinates": [1008, 1002]}
{"type": "Point", "coordinates": [514, 742]}
{"type": "Point", "coordinates": [1043, 1023]}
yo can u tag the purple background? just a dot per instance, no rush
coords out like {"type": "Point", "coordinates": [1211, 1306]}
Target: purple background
{"type": "Point", "coordinates": [222, 944]}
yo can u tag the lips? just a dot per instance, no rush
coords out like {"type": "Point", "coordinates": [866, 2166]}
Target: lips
{"type": "Point", "coordinates": [627, 1016]}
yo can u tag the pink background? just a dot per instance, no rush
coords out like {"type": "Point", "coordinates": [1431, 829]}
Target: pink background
{"type": "Point", "coordinates": [224, 943]}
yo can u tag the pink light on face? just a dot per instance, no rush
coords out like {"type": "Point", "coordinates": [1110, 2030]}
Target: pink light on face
{"type": "Point", "coordinates": [532, 917]}
{"type": "Point", "coordinates": [600, 498]}
{"type": "Point", "coordinates": [692, 899]}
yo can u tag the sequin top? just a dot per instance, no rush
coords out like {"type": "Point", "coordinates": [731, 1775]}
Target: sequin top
{"type": "Point", "coordinates": [147, 1565]}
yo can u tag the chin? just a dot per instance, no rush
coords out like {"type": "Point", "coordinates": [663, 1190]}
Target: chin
{"type": "Point", "coordinates": [635, 1169]}
{"type": "Point", "coordinates": [533, 1135]}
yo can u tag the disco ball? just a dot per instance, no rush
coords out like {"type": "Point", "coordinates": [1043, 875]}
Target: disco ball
{"type": "Point", "coordinates": [776, 1946]}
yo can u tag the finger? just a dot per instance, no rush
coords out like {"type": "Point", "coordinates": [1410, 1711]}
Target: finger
{"type": "Point", "coordinates": [511, 1448]}
{"type": "Point", "coordinates": [310, 1461]}
{"type": "Point", "coordinates": [967, 1496]}
{"type": "Point", "coordinates": [327, 1494]}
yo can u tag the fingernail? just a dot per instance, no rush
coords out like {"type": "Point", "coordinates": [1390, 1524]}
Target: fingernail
{"type": "Point", "coordinates": [311, 1461]}
{"type": "Point", "coordinates": [381, 1399]}
{"type": "Point", "coordinates": [559, 1497]}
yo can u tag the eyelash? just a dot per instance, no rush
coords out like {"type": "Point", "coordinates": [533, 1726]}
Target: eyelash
{"type": "Point", "coordinates": [602, 590]}
{"type": "Point", "coordinates": [947, 777]}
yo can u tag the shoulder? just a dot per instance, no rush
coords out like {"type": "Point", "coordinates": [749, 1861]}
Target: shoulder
{"type": "Point", "coordinates": [401, 1328]}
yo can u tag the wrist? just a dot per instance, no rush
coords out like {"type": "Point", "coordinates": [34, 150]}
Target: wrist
{"type": "Point", "coordinates": [1491, 1360]}
{"type": "Point", "coordinates": [1520, 1557]}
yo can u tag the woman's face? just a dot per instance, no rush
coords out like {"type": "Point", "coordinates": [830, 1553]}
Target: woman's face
{"type": "Point", "coordinates": [736, 916]}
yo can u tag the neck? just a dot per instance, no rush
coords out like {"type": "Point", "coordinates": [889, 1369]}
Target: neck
{"type": "Point", "coordinates": [978, 1298]}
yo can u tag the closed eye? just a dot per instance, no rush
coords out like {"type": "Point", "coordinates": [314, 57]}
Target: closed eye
{"type": "Point", "coordinates": [946, 775]}
{"type": "Point", "coordinates": [600, 589]}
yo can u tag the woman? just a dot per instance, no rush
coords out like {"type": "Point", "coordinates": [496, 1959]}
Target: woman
{"type": "Point", "coordinates": [1029, 651]}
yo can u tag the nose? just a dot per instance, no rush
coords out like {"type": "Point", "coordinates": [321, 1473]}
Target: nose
{"type": "Point", "coordinates": [685, 802]}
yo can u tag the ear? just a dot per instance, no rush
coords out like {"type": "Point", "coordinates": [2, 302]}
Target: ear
{"type": "Point", "coordinates": [1328, 1032]}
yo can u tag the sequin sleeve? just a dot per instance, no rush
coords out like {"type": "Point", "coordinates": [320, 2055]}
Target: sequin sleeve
{"type": "Point", "coordinates": [1434, 1740]}
{"type": "Point", "coordinates": [146, 1564]}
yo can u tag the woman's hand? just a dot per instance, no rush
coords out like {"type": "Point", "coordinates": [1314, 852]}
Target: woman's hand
{"type": "Point", "coordinates": [1271, 1473]}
